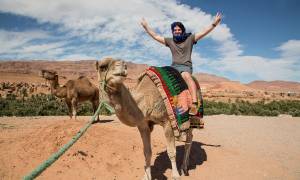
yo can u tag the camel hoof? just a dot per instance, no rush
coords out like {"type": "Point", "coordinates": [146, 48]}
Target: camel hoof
{"type": "Point", "coordinates": [146, 178]}
{"type": "Point", "coordinates": [185, 172]}
{"type": "Point", "coordinates": [176, 178]}
{"type": "Point", "coordinates": [96, 121]}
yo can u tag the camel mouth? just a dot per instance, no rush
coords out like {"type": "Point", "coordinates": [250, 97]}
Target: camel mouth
{"type": "Point", "coordinates": [121, 74]}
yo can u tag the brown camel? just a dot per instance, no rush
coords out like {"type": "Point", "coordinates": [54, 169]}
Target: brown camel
{"type": "Point", "coordinates": [74, 91]}
{"type": "Point", "coordinates": [142, 108]}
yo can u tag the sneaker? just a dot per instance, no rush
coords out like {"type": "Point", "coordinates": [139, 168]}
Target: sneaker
{"type": "Point", "coordinates": [193, 110]}
{"type": "Point", "coordinates": [201, 123]}
{"type": "Point", "coordinates": [197, 122]}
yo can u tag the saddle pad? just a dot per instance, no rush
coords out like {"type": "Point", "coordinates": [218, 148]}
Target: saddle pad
{"type": "Point", "coordinates": [176, 96]}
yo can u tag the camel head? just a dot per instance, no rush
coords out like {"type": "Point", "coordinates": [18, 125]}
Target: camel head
{"type": "Point", "coordinates": [111, 72]}
{"type": "Point", "coordinates": [48, 74]}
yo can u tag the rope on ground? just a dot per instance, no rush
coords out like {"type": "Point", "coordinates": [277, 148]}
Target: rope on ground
{"type": "Point", "coordinates": [62, 150]}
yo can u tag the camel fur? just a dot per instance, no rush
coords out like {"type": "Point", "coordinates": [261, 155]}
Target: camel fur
{"type": "Point", "coordinates": [141, 108]}
{"type": "Point", "coordinates": [73, 92]}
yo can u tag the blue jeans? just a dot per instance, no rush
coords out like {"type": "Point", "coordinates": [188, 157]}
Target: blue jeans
{"type": "Point", "coordinates": [182, 68]}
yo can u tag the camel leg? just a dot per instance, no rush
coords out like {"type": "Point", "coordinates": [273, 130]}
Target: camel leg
{"type": "Point", "coordinates": [191, 85]}
{"type": "Point", "coordinates": [74, 106]}
{"type": "Point", "coordinates": [171, 149]}
{"type": "Point", "coordinates": [95, 106]}
{"type": "Point", "coordinates": [145, 134]}
{"type": "Point", "coordinates": [187, 150]}
{"type": "Point", "coordinates": [69, 104]}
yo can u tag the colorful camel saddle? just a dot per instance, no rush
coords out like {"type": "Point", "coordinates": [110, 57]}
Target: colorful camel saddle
{"type": "Point", "coordinates": [177, 97]}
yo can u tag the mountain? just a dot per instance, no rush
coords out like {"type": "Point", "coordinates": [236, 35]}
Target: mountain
{"type": "Point", "coordinates": [276, 86]}
{"type": "Point", "coordinates": [28, 71]}
{"type": "Point", "coordinates": [217, 83]}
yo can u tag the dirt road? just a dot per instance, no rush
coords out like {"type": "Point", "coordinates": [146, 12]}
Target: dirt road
{"type": "Point", "coordinates": [230, 147]}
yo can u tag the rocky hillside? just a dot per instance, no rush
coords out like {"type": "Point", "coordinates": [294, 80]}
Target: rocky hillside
{"type": "Point", "coordinates": [282, 86]}
{"type": "Point", "coordinates": [213, 86]}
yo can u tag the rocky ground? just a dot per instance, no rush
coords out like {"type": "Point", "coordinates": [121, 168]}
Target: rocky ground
{"type": "Point", "coordinates": [230, 147]}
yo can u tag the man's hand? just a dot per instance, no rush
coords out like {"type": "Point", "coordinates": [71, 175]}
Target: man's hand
{"type": "Point", "coordinates": [151, 32]}
{"type": "Point", "coordinates": [218, 18]}
{"type": "Point", "coordinates": [144, 23]}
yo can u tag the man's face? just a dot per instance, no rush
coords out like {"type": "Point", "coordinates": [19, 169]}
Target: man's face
{"type": "Point", "coordinates": [177, 31]}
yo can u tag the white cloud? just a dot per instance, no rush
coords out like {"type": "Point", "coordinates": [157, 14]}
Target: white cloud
{"type": "Point", "coordinates": [77, 57]}
{"type": "Point", "coordinates": [112, 28]}
{"type": "Point", "coordinates": [113, 20]}
{"type": "Point", "coordinates": [290, 49]}
{"type": "Point", "coordinates": [263, 68]}
{"type": "Point", "coordinates": [12, 40]}
{"type": "Point", "coordinates": [39, 48]}
{"type": "Point", "coordinates": [286, 67]}
{"type": "Point", "coordinates": [29, 45]}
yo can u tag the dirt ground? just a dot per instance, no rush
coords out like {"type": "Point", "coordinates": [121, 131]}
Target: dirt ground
{"type": "Point", "coordinates": [230, 147]}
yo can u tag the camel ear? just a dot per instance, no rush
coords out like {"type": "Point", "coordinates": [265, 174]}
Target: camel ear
{"type": "Point", "coordinates": [97, 65]}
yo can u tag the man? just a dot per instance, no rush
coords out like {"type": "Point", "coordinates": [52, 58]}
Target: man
{"type": "Point", "coordinates": [181, 46]}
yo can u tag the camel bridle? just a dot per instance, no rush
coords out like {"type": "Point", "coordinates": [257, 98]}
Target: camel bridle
{"type": "Point", "coordinates": [104, 82]}
{"type": "Point", "coordinates": [105, 85]}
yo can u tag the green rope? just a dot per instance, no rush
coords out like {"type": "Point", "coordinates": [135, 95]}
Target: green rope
{"type": "Point", "coordinates": [62, 150]}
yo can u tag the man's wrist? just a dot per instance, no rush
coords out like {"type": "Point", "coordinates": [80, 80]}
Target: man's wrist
{"type": "Point", "coordinates": [213, 24]}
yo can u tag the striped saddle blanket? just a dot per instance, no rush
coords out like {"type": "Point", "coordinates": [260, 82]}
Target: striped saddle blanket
{"type": "Point", "coordinates": [177, 97]}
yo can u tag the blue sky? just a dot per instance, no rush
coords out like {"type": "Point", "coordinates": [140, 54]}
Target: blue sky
{"type": "Point", "coordinates": [256, 40]}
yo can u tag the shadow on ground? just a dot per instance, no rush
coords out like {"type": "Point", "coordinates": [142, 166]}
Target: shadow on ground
{"type": "Point", "coordinates": [162, 162]}
{"type": "Point", "coordinates": [102, 121]}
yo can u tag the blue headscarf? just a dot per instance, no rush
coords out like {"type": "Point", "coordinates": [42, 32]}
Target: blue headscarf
{"type": "Point", "coordinates": [183, 36]}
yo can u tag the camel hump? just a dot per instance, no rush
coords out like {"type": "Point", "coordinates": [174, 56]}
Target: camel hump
{"type": "Point", "coordinates": [84, 79]}
{"type": "Point", "coordinates": [141, 76]}
{"type": "Point", "coordinates": [174, 90]}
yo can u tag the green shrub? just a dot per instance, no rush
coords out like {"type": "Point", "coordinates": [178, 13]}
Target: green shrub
{"type": "Point", "coordinates": [41, 105]}
{"type": "Point", "coordinates": [259, 108]}
{"type": "Point", "coordinates": [49, 105]}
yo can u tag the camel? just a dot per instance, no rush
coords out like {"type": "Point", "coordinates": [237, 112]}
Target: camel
{"type": "Point", "coordinates": [73, 92]}
{"type": "Point", "coordinates": [141, 108]}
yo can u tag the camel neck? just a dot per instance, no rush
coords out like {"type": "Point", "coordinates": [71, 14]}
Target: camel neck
{"type": "Point", "coordinates": [56, 89]}
{"type": "Point", "coordinates": [126, 107]}
{"type": "Point", "coordinates": [54, 83]}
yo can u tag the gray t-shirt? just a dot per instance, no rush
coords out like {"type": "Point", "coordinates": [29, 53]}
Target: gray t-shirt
{"type": "Point", "coordinates": [181, 52]}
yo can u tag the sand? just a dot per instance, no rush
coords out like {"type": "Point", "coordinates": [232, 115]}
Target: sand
{"type": "Point", "coordinates": [230, 147]}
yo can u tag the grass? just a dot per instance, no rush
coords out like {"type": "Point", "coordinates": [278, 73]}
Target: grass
{"type": "Point", "coordinates": [49, 105]}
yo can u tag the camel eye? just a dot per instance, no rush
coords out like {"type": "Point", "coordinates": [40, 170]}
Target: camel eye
{"type": "Point", "coordinates": [103, 68]}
